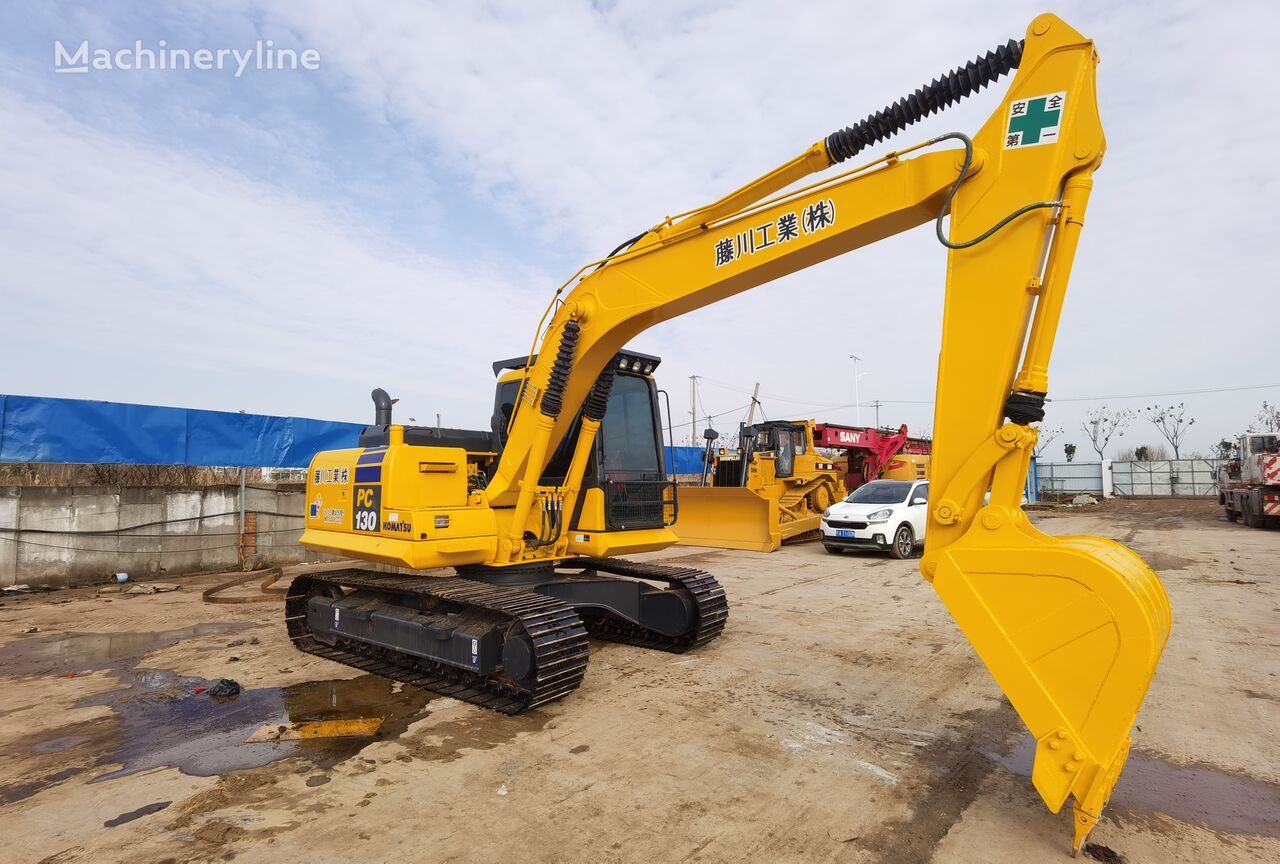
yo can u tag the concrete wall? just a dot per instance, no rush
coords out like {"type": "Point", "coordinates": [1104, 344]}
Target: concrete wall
{"type": "Point", "coordinates": [79, 534]}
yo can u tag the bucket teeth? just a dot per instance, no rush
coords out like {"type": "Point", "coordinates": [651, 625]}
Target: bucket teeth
{"type": "Point", "coordinates": [1084, 823]}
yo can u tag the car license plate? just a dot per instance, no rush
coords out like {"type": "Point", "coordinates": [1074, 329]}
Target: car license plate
{"type": "Point", "coordinates": [844, 533]}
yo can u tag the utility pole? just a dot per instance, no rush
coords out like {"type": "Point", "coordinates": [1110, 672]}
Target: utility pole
{"type": "Point", "coordinates": [751, 412]}
{"type": "Point", "coordinates": [693, 410]}
{"type": "Point", "coordinates": [877, 404]}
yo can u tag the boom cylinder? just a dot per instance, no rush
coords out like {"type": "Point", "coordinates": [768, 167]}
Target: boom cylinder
{"type": "Point", "coordinates": [549, 410]}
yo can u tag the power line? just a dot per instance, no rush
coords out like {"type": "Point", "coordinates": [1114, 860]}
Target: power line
{"type": "Point", "coordinates": [1114, 396]}
{"type": "Point", "coordinates": [731, 411]}
{"type": "Point", "coordinates": [829, 407]}
{"type": "Point", "coordinates": [1172, 393]}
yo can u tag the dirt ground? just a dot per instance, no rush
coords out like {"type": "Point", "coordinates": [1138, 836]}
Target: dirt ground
{"type": "Point", "coordinates": [840, 717]}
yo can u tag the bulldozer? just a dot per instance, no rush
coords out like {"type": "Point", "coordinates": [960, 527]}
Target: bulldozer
{"type": "Point", "coordinates": [497, 551]}
{"type": "Point", "coordinates": [771, 490]}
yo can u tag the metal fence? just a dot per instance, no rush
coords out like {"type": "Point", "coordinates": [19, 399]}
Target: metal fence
{"type": "Point", "coordinates": [1069, 478]}
{"type": "Point", "coordinates": [1166, 477]}
{"type": "Point", "coordinates": [1190, 477]}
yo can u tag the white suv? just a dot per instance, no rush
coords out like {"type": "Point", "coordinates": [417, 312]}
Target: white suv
{"type": "Point", "coordinates": [882, 515]}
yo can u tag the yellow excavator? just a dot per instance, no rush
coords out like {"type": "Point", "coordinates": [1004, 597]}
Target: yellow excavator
{"type": "Point", "coordinates": [534, 513]}
{"type": "Point", "coordinates": [771, 490]}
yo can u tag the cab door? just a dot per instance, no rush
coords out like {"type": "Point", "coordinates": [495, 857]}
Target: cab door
{"type": "Point", "coordinates": [919, 513]}
{"type": "Point", "coordinates": [785, 455]}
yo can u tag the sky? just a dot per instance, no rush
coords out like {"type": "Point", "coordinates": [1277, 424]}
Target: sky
{"type": "Point", "coordinates": [283, 241]}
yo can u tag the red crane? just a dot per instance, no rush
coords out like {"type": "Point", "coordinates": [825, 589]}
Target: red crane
{"type": "Point", "coordinates": [870, 450]}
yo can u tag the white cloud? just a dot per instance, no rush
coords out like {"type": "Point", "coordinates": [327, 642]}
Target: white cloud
{"type": "Point", "coordinates": [141, 274]}
{"type": "Point", "coordinates": [593, 122]}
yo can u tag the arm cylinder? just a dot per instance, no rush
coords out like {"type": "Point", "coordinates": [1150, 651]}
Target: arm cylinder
{"type": "Point", "coordinates": [1034, 376]}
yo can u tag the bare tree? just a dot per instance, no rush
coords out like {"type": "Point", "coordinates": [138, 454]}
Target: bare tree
{"type": "Point", "coordinates": [1266, 420]}
{"type": "Point", "coordinates": [1046, 437]}
{"type": "Point", "coordinates": [1102, 423]}
{"type": "Point", "coordinates": [1173, 424]}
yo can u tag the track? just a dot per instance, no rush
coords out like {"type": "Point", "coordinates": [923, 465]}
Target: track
{"type": "Point", "coordinates": [803, 537]}
{"type": "Point", "coordinates": [557, 634]}
{"type": "Point", "coordinates": [711, 604]}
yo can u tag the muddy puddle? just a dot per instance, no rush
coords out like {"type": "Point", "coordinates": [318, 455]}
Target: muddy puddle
{"type": "Point", "coordinates": [86, 652]}
{"type": "Point", "coordinates": [160, 719]}
{"type": "Point", "coordinates": [1190, 793]}
{"type": "Point", "coordinates": [162, 722]}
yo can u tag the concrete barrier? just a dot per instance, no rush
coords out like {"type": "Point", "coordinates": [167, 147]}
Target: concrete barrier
{"type": "Point", "coordinates": [51, 535]}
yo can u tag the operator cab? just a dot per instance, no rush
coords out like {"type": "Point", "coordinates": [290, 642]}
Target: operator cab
{"type": "Point", "coordinates": [1259, 444]}
{"type": "Point", "coordinates": [781, 439]}
{"type": "Point", "coordinates": [627, 464]}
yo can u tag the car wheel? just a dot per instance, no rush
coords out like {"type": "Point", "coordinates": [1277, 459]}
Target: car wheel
{"type": "Point", "coordinates": [904, 543]}
{"type": "Point", "coordinates": [834, 550]}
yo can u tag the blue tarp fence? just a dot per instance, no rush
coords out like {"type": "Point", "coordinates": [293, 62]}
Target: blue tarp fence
{"type": "Point", "coordinates": [39, 429]}
{"type": "Point", "coordinates": [688, 460]}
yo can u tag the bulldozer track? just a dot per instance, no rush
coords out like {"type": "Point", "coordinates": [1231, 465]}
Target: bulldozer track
{"type": "Point", "coordinates": [557, 634]}
{"type": "Point", "coordinates": [708, 596]}
{"type": "Point", "coordinates": [805, 537]}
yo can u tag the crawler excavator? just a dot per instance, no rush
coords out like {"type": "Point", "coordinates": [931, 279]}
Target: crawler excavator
{"type": "Point", "coordinates": [534, 514]}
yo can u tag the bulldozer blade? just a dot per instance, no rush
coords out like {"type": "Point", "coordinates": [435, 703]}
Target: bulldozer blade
{"type": "Point", "coordinates": [727, 518]}
{"type": "Point", "coordinates": [795, 527]}
{"type": "Point", "coordinates": [1072, 629]}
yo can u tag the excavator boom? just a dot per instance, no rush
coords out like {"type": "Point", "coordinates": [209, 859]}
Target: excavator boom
{"type": "Point", "coordinates": [1071, 628]}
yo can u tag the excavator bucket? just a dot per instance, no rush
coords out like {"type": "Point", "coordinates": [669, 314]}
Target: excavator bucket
{"type": "Point", "coordinates": [1072, 629]}
{"type": "Point", "coordinates": [727, 517]}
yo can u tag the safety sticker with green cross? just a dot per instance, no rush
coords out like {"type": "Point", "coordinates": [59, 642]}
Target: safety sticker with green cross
{"type": "Point", "coordinates": [1035, 121]}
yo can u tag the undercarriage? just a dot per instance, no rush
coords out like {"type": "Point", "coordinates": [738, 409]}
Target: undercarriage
{"type": "Point", "coordinates": [509, 639]}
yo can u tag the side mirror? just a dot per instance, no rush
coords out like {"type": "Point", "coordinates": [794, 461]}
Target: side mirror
{"type": "Point", "coordinates": [919, 500]}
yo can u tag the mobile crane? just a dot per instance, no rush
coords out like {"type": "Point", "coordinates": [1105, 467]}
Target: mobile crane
{"type": "Point", "coordinates": [533, 513]}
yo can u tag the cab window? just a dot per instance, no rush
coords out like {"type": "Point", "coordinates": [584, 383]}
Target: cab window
{"type": "Point", "coordinates": [784, 455]}
{"type": "Point", "coordinates": [628, 434]}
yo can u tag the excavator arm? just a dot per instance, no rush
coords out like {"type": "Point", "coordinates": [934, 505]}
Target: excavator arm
{"type": "Point", "coordinates": [1072, 627]}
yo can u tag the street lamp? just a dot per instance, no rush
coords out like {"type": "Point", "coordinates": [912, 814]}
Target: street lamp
{"type": "Point", "coordinates": [856, 398]}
